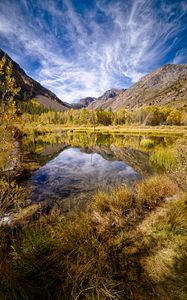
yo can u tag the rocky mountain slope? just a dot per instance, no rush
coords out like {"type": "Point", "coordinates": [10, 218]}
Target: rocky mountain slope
{"type": "Point", "coordinates": [30, 88]}
{"type": "Point", "coordinates": [84, 102]}
{"type": "Point", "coordinates": [106, 97]}
{"type": "Point", "coordinates": [166, 85]}
{"type": "Point", "coordinates": [110, 94]}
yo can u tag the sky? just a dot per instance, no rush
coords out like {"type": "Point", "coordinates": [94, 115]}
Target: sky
{"type": "Point", "coordinates": [80, 48]}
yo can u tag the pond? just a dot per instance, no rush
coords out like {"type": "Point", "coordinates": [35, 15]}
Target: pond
{"type": "Point", "coordinates": [74, 172]}
{"type": "Point", "coordinates": [72, 166]}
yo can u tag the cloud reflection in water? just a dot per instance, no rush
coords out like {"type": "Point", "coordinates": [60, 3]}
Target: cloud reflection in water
{"type": "Point", "coordinates": [73, 172]}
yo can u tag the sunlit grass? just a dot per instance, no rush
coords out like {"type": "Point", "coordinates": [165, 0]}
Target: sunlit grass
{"type": "Point", "coordinates": [128, 244]}
{"type": "Point", "coordinates": [133, 129]}
{"type": "Point", "coordinates": [129, 239]}
{"type": "Point", "coordinates": [165, 237]}
{"type": "Point", "coordinates": [147, 143]}
{"type": "Point", "coordinates": [6, 147]}
{"type": "Point", "coordinates": [155, 189]}
{"type": "Point", "coordinates": [163, 158]}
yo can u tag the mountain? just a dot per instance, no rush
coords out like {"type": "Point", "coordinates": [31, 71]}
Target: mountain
{"type": "Point", "coordinates": [30, 88]}
{"type": "Point", "coordinates": [110, 94]}
{"type": "Point", "coordinates": [84, 102]}
{"type": "Point", "coordinates": [107, 96]}
{"type": "Point", "coordinates": [164, 86]}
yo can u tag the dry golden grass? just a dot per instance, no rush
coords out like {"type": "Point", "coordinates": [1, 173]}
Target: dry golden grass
{"type": "Point", "coordinates": [36, 127]}
{"type": "Point", "coordinates": [117, 249]}
{"type": "Point", "coordinates": [165, 237]}
{"type": "Point", "coordinates": [155, 189]}
{"type": "Point", "coordinates": [117, 199]}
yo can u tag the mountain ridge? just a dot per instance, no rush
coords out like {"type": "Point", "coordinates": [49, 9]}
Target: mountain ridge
{"type": "Point", "coordinates": [164, 85]}
{"type": "Point", "coordinates": [31, 88]}
{"type": "Point", "coordinates": [87, 101]}
{"type": "Point", "coordinates": [167, 85]}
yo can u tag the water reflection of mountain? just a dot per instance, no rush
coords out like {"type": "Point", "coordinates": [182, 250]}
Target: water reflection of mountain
{"type": "Point", "coordinates": [75, 171]}
{"type": "Point", "coordinates": [39, 150]}
{"type": "Point", "coordinates": [33, 160]}
{"type": "Point", "coordinates": [137, 159]}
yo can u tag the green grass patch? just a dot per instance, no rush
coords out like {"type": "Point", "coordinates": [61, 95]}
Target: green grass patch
{"type": "Point", "coordinates": [147, 143]}
{"type": "Point", "coordinates": [163, 158]}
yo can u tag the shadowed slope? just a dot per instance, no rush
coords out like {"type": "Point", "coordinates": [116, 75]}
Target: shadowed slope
{"type": "Point", "coordinates": [33, 89]}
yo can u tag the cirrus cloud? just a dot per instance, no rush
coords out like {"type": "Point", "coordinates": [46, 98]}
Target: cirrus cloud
{"type": "Point", "coordinates": [79, 50]}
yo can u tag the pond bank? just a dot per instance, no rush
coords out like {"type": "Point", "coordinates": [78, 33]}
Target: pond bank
{"type": "Point", "coordinates": [136, 129]}
{"type": "Point", "coordinates": [129, 243]}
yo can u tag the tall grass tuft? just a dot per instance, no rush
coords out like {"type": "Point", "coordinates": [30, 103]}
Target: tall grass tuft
{"type": "Point", "coordinates": [164, 159]}
{"type": "Point", "coordinates": [147, 143]}
{"type": "Point", "coordinates": [155, 189]}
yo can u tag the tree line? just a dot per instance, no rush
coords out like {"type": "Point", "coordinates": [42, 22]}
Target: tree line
{"type": "Point", "coordinates": [151, 115]}
{"type": "Point", "coordinates": [32, 111]}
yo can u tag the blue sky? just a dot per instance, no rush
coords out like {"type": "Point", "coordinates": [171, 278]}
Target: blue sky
{"type": "Point", "coordinates": [80, 48]}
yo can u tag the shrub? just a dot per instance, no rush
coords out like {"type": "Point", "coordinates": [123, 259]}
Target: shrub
{"type": "Point", "coordinates": [174, 118]}
{"type": "Point", "coordinates": [151, 115]}
{"type": "Point", "coordinates": [12, 196]}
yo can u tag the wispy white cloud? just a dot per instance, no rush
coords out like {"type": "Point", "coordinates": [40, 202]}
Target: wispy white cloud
{"type": "Point", "coordinates": [180, 56]}
{"type": "Point", "coordinates": [83, 53]}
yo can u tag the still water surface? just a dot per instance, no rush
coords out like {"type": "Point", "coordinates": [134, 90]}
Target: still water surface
{"type": "Point", "coordinates": [74, 172]}
{"type": "Point", "coordinates": [74, 166]}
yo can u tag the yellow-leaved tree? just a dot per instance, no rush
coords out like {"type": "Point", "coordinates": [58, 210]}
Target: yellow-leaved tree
{"type": "Point", "coordinates": [8, 90]}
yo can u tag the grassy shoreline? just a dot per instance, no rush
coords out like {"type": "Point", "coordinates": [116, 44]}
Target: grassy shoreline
{"type": "Point", "coordinates": [136, 129]}
{"type": "Point", "coordinates": [128, 244]}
